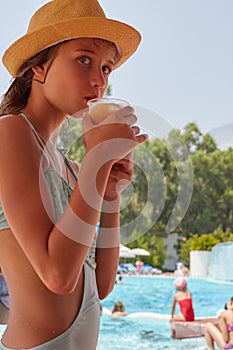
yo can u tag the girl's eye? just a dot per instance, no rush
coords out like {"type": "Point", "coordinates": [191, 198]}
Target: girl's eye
{"type": "Point", "coordinates": [106, 70]}
{"type": "Point", "coordinates": [84, 60]}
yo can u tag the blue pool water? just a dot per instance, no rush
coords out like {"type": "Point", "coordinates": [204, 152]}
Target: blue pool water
{"type": "Point", "coordinates": [150, 294]}
{"type": "Point", "coordinates": [154, 295]}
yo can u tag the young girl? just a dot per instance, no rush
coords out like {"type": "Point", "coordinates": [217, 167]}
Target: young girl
{"type": "Point", "coordinates": [222, 335]}
{"type": "Point", "coordinates": [118, 309]}
{"type": "Point", "coordinates": [49, 208]}
{"type": "Point", "coordinates": [184, 299]}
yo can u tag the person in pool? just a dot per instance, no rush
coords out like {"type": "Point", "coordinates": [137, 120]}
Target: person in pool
{"type": "Point", "coordinates": [184, 298]}
{"type": "Point", "coordinates": [222, 335]}
{"type": "Point", "coordinates": [118, 309]}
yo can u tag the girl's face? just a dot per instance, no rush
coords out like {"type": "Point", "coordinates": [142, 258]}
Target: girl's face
{"type": "Point", "coordinates": [230, 304]}
{"type": "Point", "coordinates": [120, 307]}
{"type": "Point", "coordinates": [78, 73]}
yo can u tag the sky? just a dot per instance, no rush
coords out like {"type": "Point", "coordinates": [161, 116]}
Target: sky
{"type": "Point", "coordinates": [183, 68]}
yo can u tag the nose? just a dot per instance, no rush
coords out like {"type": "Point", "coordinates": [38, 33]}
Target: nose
{"type": "Point", "coordinates": [98, 79]}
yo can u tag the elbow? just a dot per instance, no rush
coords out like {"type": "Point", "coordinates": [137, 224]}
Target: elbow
{"type": "Point", "coordinates": [59, 288]}
{"type": "Point", "coordinates": [104, 291]}
{"type": "Point", "coordinates": [60, 284]}
{"type": "Point", "coordinates": [103, 294]}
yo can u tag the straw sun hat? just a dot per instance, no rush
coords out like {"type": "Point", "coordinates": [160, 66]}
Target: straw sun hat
{"type": "Point", "coordinates": [61, 20]}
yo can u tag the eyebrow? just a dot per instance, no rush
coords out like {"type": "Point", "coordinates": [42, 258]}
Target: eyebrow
{"type": "Point", "coordinates": [94, 53]}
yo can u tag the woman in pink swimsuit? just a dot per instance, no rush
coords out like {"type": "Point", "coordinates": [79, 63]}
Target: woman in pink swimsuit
{"type": "Point", "coordinates": [222, 335]}
{"type": "Point", "coordinates": [55, 265]}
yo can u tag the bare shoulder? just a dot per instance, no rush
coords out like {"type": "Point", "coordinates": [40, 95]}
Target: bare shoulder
{"type": "Point", "coordinates": [21, 179]}
{"type": "Point", "coordinates": [227, 315]}
{"type": "Point", "coordinates": [12, 125]}
{"type": "Point", "coordinates": [19, 151]}
{"type": "Point", "coordinates": [10, 118]}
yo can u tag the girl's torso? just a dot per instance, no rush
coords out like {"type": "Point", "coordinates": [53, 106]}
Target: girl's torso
{"type": "Point", "coordinates": [186, 307]}
{"type": "Point", "coordinates": [37, 314]}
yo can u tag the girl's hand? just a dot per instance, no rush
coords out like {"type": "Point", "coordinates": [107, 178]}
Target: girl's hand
{"type": "Point", "coordinates": [119, 178]}
{"type": "Point", "coordinates": [121, 174]}
{"type": "Point", "coordinates": [114, 137]}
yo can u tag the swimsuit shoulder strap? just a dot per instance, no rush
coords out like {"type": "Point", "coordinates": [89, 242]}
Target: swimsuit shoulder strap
{"type": "Point", "coordinates": [68, 165]}
{"type": "Point", "coordinates": [42, 146]}
{"type": "Point", "coordinates": [40, 141]}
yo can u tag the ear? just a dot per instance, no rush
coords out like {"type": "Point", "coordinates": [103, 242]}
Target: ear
{"type": "Point", "coordinates": [39, 72]}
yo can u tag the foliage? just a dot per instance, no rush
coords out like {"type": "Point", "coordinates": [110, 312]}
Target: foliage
{"type": "Point", "coordinates": [184, 250]}
{"type": "Point", "coordinates": [155, 187]}
{"type": "Point", "coordinates": [70, 139]}
{"type": "Point", "coordinates": [224, 236]}
{"type": "Point", "coordinates": [203, 242]}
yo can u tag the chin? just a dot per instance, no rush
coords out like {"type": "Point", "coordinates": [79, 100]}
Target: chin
{"type": "Point", "coordinates": [78, 112]}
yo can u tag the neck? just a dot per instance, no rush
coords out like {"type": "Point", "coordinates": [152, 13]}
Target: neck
{"type": "Point", "coordinates": [46, 119]}
{"type": "Point", "coordinates": [47, 128]}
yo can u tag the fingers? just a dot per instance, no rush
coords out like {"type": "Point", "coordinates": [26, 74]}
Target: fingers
{"type": "Point", "coordinates": [123, 173]}
{"type": "Point", "coordinates": [126, 131]}
{"type": "Point", "coordinates": [141, 138]}
{"type": "Point", "coordinates": [124, 115]}
{"type": "Point", "coordinates": [123, 167]}
{"type": "Point", "coordinates": [136, 129]}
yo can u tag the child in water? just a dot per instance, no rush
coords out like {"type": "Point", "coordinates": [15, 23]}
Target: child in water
{"type": "Point", "coordinates": [118, 310]}
{"type": "Point", "coordinates": [184, 298]}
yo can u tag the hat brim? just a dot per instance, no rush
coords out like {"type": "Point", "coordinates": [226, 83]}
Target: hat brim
{"type": "Point", "coordinates": [124, 36]}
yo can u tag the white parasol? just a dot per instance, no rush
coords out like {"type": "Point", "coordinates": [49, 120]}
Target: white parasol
{"type": "Point", "coordinates": [126, 252]}
{"type": "Point", "coordinates": [140, 252]}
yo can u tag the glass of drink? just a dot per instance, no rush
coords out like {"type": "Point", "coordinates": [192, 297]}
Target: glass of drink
{"type": "Point", "coordinates": [100, 108]}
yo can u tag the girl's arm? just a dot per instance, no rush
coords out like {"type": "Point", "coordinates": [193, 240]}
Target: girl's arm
{"type": "Point", "coordinates": [56, 251]}
{"type": "Point", "coordinates": [173, 306]}
{"type": "Point", "coordinates": [223, 327]}
{"type": "Point", "coordinates": [107, 253]}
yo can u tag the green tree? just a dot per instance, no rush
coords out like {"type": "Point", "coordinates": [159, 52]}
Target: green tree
{"type": "Point", "coordinates": [153, 242]}
{"type": "Point", "coordinates": [155, 184]}
{"type": "Point", "coordinates": [212, 200]}
{"type": "Point", "coordinates": [203, 242]}
{"type": "Point", "coordinates": [184, 250]}
{"type": "Point", "coordinates": [195, 140]}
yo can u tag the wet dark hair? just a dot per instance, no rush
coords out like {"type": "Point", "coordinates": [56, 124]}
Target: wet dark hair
{"type": "Point", "coordinates": [16, 97]}
{"type": "Point", "coordinates": [119, 306]}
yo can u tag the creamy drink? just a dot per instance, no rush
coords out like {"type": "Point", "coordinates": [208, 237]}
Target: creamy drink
{"type": "Point", "coordinates": [100, 108]}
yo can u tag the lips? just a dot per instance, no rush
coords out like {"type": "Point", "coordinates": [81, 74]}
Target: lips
{"type": "Point", "coordinates": [88, 98]}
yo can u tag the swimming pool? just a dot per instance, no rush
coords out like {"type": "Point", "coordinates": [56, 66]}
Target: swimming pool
{"type": "Point", "coordinates": [154, 294]}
